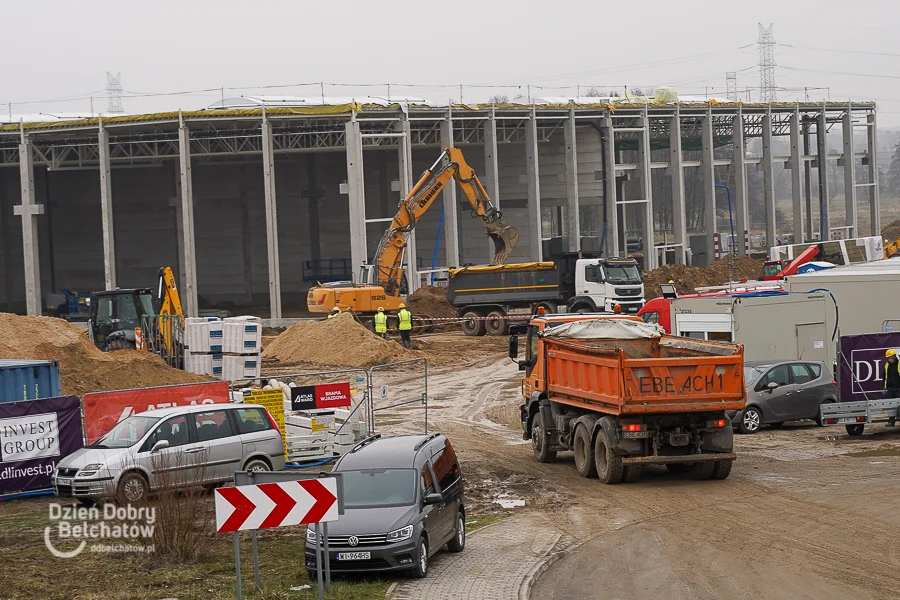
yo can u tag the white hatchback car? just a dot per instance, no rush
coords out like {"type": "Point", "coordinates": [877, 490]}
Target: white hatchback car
{"type": "Point", "coordinates": [200, 445]}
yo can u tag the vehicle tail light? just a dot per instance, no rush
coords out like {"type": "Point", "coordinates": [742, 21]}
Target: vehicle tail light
{"type": "Point", "coordinates": [860, 419]}
{"type": "Point", "coordinates": [634, 427]}
{"type": "Point", "coordinates": [831, 421]}
{"type": "Point", "coordinates": [717, 423]}
{"type": "Point", "coordinates": [272, 421]}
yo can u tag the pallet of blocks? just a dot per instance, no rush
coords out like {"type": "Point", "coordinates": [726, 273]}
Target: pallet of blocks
{"type": "Point", "coordinates": [320, 434]}
{"type": "Point", "coordinates": [227, 349]}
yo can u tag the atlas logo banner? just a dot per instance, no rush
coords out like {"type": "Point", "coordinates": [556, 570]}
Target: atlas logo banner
{"type": "Point", "coordinates": [861, 373]}
{"type": "Point", "coordinates": [330, 395]}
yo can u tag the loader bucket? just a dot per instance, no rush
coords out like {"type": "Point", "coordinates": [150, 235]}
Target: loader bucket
{"type": "Point", "coordinates": [505, 239]}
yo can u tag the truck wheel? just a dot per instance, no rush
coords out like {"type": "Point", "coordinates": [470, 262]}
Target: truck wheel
{"type": "Point", "coordinates": [540, 441]}
{"type": "Point", "coordinates": [583, 311]}
{"type": "Point", "coordinates": [702, 471]}
{"type": "Point", "coordinates": [632, 473]}
{"type": "Point", "coordinates": [496, 323]}
{"type": "Point", "coordinates": [855, 430]}
{"type": "Point", "coordinates": [584, 453]}
{"type": "Point", "coordinates": [722, 469]}
{"type": "Point", "coordinates": [471, 324]}
{"type": "Point", "coordinates": [609, 464]}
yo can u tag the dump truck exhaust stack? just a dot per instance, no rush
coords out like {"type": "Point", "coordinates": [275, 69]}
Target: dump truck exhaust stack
{"type": "Point", "coordinates": [505, 239]}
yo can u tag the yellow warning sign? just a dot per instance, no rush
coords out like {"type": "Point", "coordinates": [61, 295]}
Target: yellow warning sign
{"type": "Point", "coordinates": [273, 400]}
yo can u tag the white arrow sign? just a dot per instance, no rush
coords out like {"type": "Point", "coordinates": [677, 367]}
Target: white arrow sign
{"type": "Point", "coordinates": [276, 504]}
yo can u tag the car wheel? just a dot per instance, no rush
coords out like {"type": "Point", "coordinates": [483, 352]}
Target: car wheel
{"type": "Point", "coordinates": [855, 430]}
{"type": "Point", "coordinates": [458, 543]}
{"type": "Point", "coordinates": [257, 465]}
{"type": "Point", "coordinates": [540, 441]}
{"type": "Point", "coordinates": [722, 469]}
{"type": "Point", "coordinates": [702, 471]}
{"type": "Point", "coordinates": [751, 420]}
{"type": "Point", "coordinates": [421, 568]}
{"type": "Point", "coordinates": [584, 453]}
{"type": "Point", "coordinates": [609, 464]}
{"type": "Point", "coordinates": [471, 325]}
{"type": "Point", "coordinates": [133, 489]}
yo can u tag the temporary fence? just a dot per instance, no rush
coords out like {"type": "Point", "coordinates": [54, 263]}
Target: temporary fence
{"type": "Point", "coordinates": [163, 335]}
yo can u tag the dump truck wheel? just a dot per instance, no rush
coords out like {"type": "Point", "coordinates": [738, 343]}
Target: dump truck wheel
{"type": "Point", "coordinates": [496, 323]}
{"type": "Point", "coordinates": [722, 469]}
{"type": "Point", "coordinates": [702, 471]}
{"type": "Point", "coordinates": [855, 430]}
{"type": "Point", "coordinates": [471, 325]}
{"type": "Point", "coordinates": [609, 465]}
{"type": "Point", "coordinates": [677, 468]}
{"type": "Point", "coordinates": [584, 453]}
{"type": "Point", "coordinates": [632, 473]}
{"type": "Point", "coordinates": [540, 441]}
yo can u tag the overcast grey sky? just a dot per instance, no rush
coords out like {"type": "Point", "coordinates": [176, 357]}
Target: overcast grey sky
{"type": "Point", "coordinates": [61, 49]}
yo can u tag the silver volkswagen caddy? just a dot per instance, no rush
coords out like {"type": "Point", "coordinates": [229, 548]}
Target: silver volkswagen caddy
{"type": "Point", "coordinates": [179, 447]}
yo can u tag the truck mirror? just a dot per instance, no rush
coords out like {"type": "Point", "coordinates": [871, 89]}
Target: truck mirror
{"type": "Point", "coordinates": [513, 347]}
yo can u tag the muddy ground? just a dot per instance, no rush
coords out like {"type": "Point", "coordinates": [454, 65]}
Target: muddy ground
{"type": "Point", "coordinates": [806, 513]}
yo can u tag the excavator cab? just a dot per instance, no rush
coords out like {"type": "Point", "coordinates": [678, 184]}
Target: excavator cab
{"type": "Point", "coordinates": [115, 314]}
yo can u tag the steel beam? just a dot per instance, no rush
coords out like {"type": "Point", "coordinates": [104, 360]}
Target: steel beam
{"type": "Point", "coordinates": [404, 161]}
{"type": "Point", "coordinates": [533, 187]}
{"type": "Point", "coordinates": [822, 169]}
{"type": "Point", "coordinates": [106, 212]}
{"type": "Point", "coordinates": [29, 211]}
{"type": "Point", "coordinates": [676, 172]}
{"type": "Point", "coordinates": [650, 259]}
{"type": "Point", "coordinates": [707, 169]}
{"type": "Point", "coordinates": [874, 200]}
{"type": "Point", "coordinates": [491, 165]}
{"type": "Point", "coordinates": [189, 297]}
{"type": "Point", "coordinates": [768, 181]}
{"type": "Point", "coordinates": [797, 179]}
{"type": "Point", "coordinates": [451, 208]}
{"type": "Point", "coordinates": [852, 218]}
{"type": "Point", "coordinates": [356, 193]}
{"type": "Point", "coordinates": [739, 193]}
{"type": "Point", "coordinates": [610, 189]}
{"type": "Point", "coordinates": [271, 218]}
{"type": "Point", "coordinates": [573, 223]}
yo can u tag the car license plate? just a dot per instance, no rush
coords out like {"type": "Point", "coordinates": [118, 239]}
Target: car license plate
{"type": "Point", "coordinates": [354, 555]}
{"type": "Point", "coordinates": [847, 420]}
{"type": "Point", "coordinates": [63, 481]}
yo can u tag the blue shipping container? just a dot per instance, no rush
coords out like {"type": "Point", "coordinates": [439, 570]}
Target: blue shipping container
{"type": "Point", "coordinates": [28, 380]}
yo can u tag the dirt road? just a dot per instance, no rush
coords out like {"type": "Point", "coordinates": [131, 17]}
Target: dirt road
{"type": "Point", "coordinates": [804, 515]}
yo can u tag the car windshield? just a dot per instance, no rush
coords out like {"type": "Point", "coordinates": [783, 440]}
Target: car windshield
{"type": "Point", "coordinates": [127, 433]}
{"type": "Point", "coordinates": [371, 488]}
{"type": "Point", "coordinates": [751, 374]}
{"type": "Point", "coordinates": [623, 274]}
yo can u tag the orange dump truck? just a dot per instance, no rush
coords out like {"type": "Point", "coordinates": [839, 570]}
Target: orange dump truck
{"type": "Point", "coordinates": [621, 394]}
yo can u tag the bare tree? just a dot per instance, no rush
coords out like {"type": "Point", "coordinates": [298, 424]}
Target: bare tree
{"type": "Point", "coordinates": [595, 93]}
{"type": "Point", "coordinates": [498, 99]}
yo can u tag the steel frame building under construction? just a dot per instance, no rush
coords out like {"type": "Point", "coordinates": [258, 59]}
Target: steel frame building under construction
{"type": "Point", "coordinates": [105, 202]}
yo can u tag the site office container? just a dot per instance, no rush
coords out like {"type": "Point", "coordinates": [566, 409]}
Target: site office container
{"type": "Point", "coordinates": [28, 380]}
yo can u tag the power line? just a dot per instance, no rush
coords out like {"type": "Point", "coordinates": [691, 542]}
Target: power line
{"type": "Point", "coordinates": [840, 51]}
{"type": "Point", "coordinates": [872, 75]}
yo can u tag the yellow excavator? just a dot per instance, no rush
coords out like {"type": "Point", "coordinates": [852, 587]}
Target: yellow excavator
{"type": "Point", "coordinates": [382, 282]}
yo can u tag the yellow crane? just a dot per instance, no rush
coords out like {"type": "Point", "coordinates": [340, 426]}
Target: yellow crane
{"type": "Point", "coordinates": [381, 282]}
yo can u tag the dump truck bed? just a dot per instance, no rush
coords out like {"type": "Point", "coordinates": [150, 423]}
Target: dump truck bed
{"type": "Point", "coordinates": [661, 375]}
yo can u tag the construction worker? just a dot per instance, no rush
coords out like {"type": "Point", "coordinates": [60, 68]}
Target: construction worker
{"type": "Point", "coordinates": [405, 327]}
{"type": "Point", "coordinates": [891, 379]}
{"type": "Point", "coordinates": [335, 312]}
{"type": "Point", "coordinates": [381, 323]}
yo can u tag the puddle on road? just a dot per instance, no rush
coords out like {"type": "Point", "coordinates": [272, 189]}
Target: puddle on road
{"type": "Point", "coordinates": [506, 501]}
{"type": "Point", "coordinates": [790, 455]}
{"type": "Point", "coordinates": [880, 451]}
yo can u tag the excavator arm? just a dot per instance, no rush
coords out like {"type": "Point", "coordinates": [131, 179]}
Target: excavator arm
{"type": "Point", "coordinates": [450, 165]}
{"type": "Point", "coordinates": [167, 299]}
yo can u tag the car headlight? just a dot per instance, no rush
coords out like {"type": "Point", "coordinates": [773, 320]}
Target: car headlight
{"type": "Point", "coordinates": [310, 535]}
{"type": "Point", "coordinates": [89, 470]}
{"type": "Point", "coordinates": [400, 534]}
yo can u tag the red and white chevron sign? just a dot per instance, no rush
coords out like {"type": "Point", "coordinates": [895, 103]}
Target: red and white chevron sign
{"type": "Point", "coordinates": [276, 504]}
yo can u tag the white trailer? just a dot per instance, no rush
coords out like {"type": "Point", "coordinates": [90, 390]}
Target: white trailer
{"type": "Point", "coordinates": [855, 415]}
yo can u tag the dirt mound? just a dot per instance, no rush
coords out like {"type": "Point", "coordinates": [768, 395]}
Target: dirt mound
{"type": "Point", "coordinates": [891, 232]}
{"type": "Point", "coordinates": [341, 342]}
{"type": "Point", "coordinates": [83, 367]}
{"type": "Point", "coordinates": [430, 301]}
{"type": "Point", "coordinates": [688, 278]}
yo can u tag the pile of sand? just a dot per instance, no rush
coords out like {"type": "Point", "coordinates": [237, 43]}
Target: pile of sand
{"type": "Point", "coordinates": [431, 302]}
{"type": "Point", "coordinates": [340, 342]}
{"type": "Point", "coordinates": [687, 278]}
{"type": "Point", "coordinates": [891, 232]}
{"type": "Point", "coordinates": [83, 367]}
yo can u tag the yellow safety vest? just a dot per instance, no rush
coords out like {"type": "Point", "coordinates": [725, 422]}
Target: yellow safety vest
{"type": "Point", "coordinates": [333, 314]}
{"type": "Point", "coordinates": [405, 319]}
{"type": "Point", "coordinates": [887, 368]}
{"type": "Point", "coordinates": [380, 323]}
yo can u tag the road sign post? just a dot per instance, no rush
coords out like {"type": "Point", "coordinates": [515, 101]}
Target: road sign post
{"type": "Point", "coordinates": [262, 500]}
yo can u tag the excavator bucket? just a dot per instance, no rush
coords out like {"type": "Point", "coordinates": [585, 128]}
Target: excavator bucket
{"type": "Point", "coordinates": [505, 239]}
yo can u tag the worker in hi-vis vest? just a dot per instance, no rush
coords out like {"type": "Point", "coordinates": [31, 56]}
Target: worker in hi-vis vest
{"type": "Point", "coordinates": [405, 325]}
{"type": "Point", "coordinates": [334, 312]}
{"type": "Point", "coordinates": [891, 379]}
{"type": "Point", "coordinates": [381, 323]}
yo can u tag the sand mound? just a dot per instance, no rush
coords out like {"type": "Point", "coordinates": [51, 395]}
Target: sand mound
{"type": "Point", "coordinates": [83, 367]}
{"type": "Point", "coordinates": [430, 301]}
{"type": "Point", "coordinates": [688, 278]}
{"type": "Point", "coordinates": [891, 232]}
{"type": "Point", "coordinates": [341, 342]}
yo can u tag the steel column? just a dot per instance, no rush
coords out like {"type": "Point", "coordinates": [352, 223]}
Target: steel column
{"type": "Point", "coordinates": [106, 211]}
{"type": "Point", "coordinates": [610, 190]}
{"type": "Point", "coordinates": [533, 186]}
{"type": "Point", "coordinates": [768, 181]}
{"type": "Point", "coordinates": [573, 223]}
{"type": "Point", "coordinates": [29, 212]}
{"type": "Point", "coordinates": [707, 167]}
{"type": "Point", "coordinates": [822, 170]}
{"type": "Point", "coordinates": [874, 200]}
{"type": "Point", "coordinates": [852, 218]}
{"type": "Point", "coordinates": [739, 194]}
{"type": "Point", "coordinates": [189, 297]}
{"type": "Point", "coordinates": [650, 259]}
{"type": "Point", "coordinates": [356, 193]}
{"type": "Point", "coordinates": [406, 182]}
{"type": "Point", "coordinates": [491, 165]}
{"type": "Point", "coordinates": [271, 218]}
{"type": "Point", "coordinates": [797, 179]}
{"type": "Point", "coordinates": [676, 172]}
{"type": "Point", "coordinates": [451, 208]}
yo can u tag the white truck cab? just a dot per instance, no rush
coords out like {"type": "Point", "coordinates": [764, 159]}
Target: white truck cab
{"type": "Point", "coordinates": [606, 282]}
